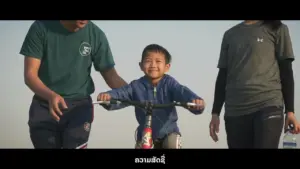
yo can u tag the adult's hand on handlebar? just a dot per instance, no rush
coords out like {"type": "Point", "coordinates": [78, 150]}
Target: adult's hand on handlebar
{"type": "Point", "coordinates": [214, 127]}
{"type": "Point", "coordinates": [200, 104]}
{"type": "Point", "coordinates": [103, 97]}
{"type": "Point", "coordinates": [56, 102]}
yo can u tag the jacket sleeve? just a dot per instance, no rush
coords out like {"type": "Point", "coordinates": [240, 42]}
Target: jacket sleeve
{"type": "Point", "coordinates": [181, 93]}
{"type": "Point", "coordinates": [124, 93]}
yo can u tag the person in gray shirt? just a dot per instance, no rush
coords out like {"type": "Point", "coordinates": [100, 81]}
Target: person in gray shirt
{"type": "Point", "coordinates": [255, 81]}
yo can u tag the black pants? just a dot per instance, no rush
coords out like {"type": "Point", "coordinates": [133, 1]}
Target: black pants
{"type": "Point", "coordinates": [72, 131]}
{"type": "Point", "coordinates": [261, 129]}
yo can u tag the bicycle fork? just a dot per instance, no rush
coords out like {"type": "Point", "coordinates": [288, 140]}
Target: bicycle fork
{"type": "Point", "coordinates": [147, 142]}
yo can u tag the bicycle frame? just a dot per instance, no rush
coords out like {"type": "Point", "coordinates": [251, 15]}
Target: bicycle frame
{"type": "Point", "coordinates": [147, 142]}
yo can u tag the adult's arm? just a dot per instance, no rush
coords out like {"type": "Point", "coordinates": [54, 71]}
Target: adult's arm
{"type": "Point", "coordinates": [287, 82]}
{"type": "Point", "coordinates": [112, 78]}
{"type": "Point", "coordinates": [220, 89]}
{"type": "Point", "coordinates": [104, 62]}
{"type": "Point", "coordinates": [220, 85]}
{"type": "Point", "coordinates": [285, 57]}
{"type": "Point", "coordinates": [32, 49]}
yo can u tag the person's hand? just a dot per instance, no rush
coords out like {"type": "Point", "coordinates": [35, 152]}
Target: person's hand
{"type": "Point", "coordinates": [291, 120]}
{"type": "Point", "coordinates": [56, 104]}
{"type": "Point", "coordinates": [103, 97]}
{"type": "Point", "coordinates": [200, 104]}
{"type": "Point", "coordinates": [214, 127]}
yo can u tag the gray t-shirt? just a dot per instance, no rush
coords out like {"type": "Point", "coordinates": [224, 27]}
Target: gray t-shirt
{"type": "Point", "coordinates": [250, 53]}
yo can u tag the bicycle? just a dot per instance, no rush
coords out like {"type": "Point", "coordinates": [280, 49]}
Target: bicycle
{"type": "Point", "coordinates": [147, 142]}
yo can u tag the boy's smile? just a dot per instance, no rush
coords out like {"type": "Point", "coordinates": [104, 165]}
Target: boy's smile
{"type": "Point", "coordinates": [154, 65]}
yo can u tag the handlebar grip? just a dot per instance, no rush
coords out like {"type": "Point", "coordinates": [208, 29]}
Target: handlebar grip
{"type": "Point", "coordinates": [114, 102]}
{"type": "Point", "coordinates": [107, 102]}
{"type": "Point", "coordinates": [101, 102]}
{"type": "Point", "coordinates": [191, 104]}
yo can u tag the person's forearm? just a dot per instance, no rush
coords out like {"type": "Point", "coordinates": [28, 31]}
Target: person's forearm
{"type": "Point", "coordinates": [112, 79]}
{"type": "Point", "coordinates": [116, 82]}
{"type": "Point", "coordinates": [38, 87]}
{"type": "Point", "coordinates": [287, 82]}
{"type": "Point", "coordinates": [220, 88]}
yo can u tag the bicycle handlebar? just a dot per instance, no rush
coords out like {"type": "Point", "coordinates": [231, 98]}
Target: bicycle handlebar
{"type": "Point", "coordinates": [145, 104]}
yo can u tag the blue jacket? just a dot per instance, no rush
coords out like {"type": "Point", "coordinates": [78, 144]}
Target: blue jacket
{"type": "Point", "coordinates": [164, 121]}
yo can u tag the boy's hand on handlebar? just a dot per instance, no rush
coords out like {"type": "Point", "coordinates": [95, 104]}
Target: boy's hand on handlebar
{"type": "Point", "coordinates": [103, 97]}
{"type": "Point", "coordinates": [200, 104]}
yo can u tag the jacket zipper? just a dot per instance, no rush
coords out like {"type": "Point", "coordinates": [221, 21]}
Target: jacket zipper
{"type": "Point", "coordinates": [154, 92]}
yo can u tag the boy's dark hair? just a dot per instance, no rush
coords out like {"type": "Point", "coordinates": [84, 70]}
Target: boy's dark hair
{"type": "Point", "coordinates": [156, 48]}
{"type": "Point", "coordinates": [273, 24]}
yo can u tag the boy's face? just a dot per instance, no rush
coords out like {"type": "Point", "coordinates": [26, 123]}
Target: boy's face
{"type": "Point", "coordinates": [154, 65]}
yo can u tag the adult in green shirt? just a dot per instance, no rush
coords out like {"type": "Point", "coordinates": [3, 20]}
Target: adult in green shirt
{"type": "Point", "coordinates": [58, 60]}
{"type": "Point", "coordinates": [256, 83]}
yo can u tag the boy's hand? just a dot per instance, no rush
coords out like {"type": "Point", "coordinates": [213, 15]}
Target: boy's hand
{"type": "Point", "coordinates": [200, 104]}
{"type": "Point", "coordinates": [103, 97]}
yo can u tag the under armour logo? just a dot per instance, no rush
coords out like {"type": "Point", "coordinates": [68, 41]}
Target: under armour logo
{"type": "Point", "coordinates": [260, 40]}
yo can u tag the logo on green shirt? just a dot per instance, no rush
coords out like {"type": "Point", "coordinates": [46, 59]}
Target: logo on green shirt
{"type": "Point", "coordinates": [85, 49]}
